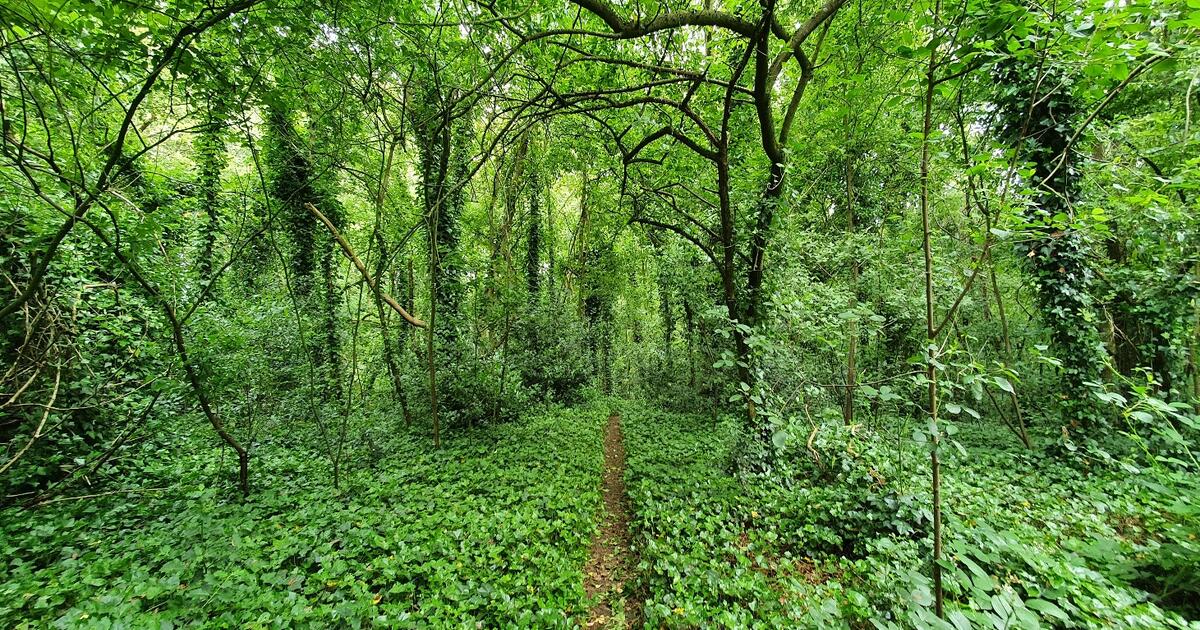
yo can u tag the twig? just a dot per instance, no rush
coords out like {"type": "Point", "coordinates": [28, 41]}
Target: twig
{"type": "Point", "coordinates": [98, 494]}
{"type": "Point", "coordinates": [37, 433]}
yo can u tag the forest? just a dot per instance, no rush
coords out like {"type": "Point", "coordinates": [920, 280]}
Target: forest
{"type": "Point", "coordinates": [599, 314]}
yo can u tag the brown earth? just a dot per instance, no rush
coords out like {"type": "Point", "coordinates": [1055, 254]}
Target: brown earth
{"type": "Point", "coordinates": [610, 572]}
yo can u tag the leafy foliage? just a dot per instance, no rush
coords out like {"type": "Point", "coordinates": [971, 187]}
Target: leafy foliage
{"type": "Point", "coordinates": [901, 307]}
{"type": "Point", "coordinates": [493, 528]}
{"type": "Point", "coordinates": [841, 542]}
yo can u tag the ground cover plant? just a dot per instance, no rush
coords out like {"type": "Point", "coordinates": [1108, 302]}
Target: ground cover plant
{"type": "Point", "coordinates": [734, 550]}
{"type": "Point", "coordinates": [599, 313]}
{"type": "Point", "coordinates": [493, 529]}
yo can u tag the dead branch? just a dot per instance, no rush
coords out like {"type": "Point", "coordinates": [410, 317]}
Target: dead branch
{"type": "Point", "coordinates": [362, 269]}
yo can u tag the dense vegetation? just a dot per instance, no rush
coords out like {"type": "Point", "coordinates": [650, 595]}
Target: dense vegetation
{"type": "Point", "coordinates": [313, 314]}
{"type": "Point", "coordinates": [491, 529]}
{"type": "Point", "coordinates": [838, 536]}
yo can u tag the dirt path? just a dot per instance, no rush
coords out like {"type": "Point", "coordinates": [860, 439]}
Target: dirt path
{"type": "Point", "coordinates": [609, 573]}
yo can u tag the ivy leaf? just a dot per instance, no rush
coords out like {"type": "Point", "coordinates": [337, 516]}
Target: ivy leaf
{"type": "Point", "coordinates": [1049, 609]}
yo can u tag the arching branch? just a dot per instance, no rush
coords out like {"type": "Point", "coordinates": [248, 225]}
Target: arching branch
{"type": "Point", "coordinates": [630, 29]}
{"type": "Point", "coordinates": [674, 133]}
{"type": "Point", "coordinates": [688, 236]}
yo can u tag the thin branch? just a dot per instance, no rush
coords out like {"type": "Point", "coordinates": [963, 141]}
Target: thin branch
{"type": "Point", "coordinates": [37, 433]}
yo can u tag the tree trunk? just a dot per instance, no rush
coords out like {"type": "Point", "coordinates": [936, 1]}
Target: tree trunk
{"type": "Point", "coordinates": [931, 342]}
{"type": "Point", "coordinates": [852, 324]}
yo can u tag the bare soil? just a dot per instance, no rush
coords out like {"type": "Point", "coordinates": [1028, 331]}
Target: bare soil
{"type": "Point", "coordinates": [609, 576]}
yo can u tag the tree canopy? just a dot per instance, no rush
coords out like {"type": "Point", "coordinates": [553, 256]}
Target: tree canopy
{"type": "Point", "coordinates": [690, 313]}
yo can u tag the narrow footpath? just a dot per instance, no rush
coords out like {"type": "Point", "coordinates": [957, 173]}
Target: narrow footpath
{"type": "Point", "coordinates": [609, 575]}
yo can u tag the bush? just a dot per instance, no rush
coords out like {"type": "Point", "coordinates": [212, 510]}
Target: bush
{"type": "Point", "coordinates": [553, 355]}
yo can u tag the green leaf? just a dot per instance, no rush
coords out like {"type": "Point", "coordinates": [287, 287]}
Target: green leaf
{"type": "Point", "coordinates": [1049, 609]}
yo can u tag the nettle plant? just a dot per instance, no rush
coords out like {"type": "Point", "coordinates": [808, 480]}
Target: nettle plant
{"type": "Point", "coordinates": [971, 388]}
{"type": "Point", "coordinates": [1162, 432]}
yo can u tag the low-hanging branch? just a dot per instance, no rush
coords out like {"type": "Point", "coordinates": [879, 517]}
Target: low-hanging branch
{"type": "Point", "coordinates": [362, 269]}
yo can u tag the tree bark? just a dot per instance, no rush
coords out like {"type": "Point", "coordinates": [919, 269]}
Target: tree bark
{"type": "Point", "coordinates": [931, 338]}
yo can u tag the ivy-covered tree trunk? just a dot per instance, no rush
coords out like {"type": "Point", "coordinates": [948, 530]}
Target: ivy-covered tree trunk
{"type": "Point", "coordinates": [606, 363]}
{"type": "Point", "coordinates": [533, 242]}
{"type": "Point", "coordinates": [667, 312]}
{"type": "Point", "coordinates": [211, 157]}
{"type": "Point", "coordinates": [291, 185]}
{"type": "Point", "coordinates": [330, 349]}
{"type": "Point", "coordinates": [391, 347]}
{"type": "Point", "coordinates": [689, 327]}
{"type": "Point", "coordinates": [294, 183]}
{"type": "Point", "coordinates": [665, 308]}
{"type": "Point", "coordinates": [442, 170]}
{"type": "Point", "coordinates": [1040, 115]}
{"type": "Point", "coordinates": [442, 147]}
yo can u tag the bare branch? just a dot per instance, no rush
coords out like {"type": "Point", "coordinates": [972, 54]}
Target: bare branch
{"type": "Point", "coordinates": [362, 269]}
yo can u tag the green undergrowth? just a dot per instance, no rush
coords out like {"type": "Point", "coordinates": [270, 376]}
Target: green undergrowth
{"type": "Point", "coordinates": [490, 531]}
{"type": "Point", "coordinates": [837, 535]}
